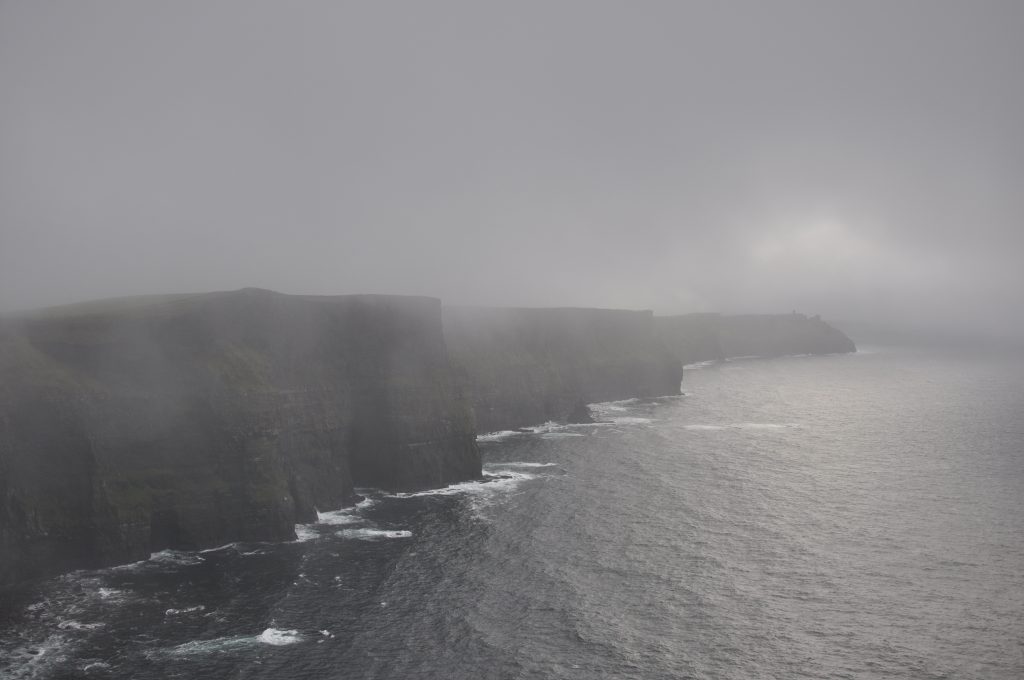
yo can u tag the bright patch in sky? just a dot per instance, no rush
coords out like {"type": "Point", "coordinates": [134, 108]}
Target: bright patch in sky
{"type": "Point", "coordinates": [825, 242]}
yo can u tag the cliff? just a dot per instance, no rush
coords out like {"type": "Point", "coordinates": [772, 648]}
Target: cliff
{"type": "Point", "coordinates": [135, 425]}
{"type": "Point", "coordinates": [706, 337]}
{"type": "Point", "coordinates": [522, 366]}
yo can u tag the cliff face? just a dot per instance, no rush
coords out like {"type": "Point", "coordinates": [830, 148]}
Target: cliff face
{"type": "Point", "coordinates": [191, 421]}
{"type": "Point", "coordinates": [706, 337]}
{"type": "Point", "coordinates": [527, 366]}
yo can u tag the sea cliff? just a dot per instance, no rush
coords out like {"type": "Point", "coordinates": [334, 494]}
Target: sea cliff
{"type": "Point", "coordinates": [186, 422]}
{"type": "Point", "coordinates": [134, 425]}
{"type": "Point", "coordinates": [708, 337]}
{"type": "Point", "coordinates": [524, 366]}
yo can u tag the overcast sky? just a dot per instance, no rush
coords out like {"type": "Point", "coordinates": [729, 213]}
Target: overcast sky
{"type": "Point", "coordinates": [863, 160]}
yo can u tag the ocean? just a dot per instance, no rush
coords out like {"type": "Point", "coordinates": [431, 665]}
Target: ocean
{"type": "Point", "coordinates": [847, 516]}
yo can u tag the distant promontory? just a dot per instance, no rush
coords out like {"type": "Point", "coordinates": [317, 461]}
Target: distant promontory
{"type": "Point", "coordinates": [708, 337]}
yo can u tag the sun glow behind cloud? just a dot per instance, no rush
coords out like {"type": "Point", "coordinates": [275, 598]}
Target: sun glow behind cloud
{"type": "Point", "coordinates": [834, 251]}
{"type": "Point", "coordinates": [825, 243]}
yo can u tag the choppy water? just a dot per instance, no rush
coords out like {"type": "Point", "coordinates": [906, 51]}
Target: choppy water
{"type": "Point", "coordinates": [846, 516]}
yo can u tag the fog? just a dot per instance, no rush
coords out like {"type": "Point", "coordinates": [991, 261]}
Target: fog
{"type": "Point", "coordinates": [864, 161]}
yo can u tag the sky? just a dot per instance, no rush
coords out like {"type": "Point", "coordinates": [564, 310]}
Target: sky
{"type": "Point", "coordinates": [861, 160]}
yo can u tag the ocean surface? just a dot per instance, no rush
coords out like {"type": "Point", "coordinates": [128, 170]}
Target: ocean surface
{"type": "Point", "coordinates": [857, 516]}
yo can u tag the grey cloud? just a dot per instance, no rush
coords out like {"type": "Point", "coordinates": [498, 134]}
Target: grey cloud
{"type": "Point", "coordinates": [861, 160]}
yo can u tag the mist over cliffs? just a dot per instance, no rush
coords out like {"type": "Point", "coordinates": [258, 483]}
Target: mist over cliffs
{"type": "Point", "coordinates": [523, 366]}
{"type": "Point", "coordinates": [186, 422]}
{"type": "Point", "coordinates": [708, 337]}
{"type": "Point", "coordinates": [132, 425]}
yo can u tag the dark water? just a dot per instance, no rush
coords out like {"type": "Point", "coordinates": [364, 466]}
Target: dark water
{"type": "Point", "coordinates": [848, 516]}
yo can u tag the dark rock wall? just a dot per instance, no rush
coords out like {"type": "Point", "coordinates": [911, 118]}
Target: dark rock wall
{"type": "Point", "coordinates": [706, 337]}
{"type": "Point", "coordinates": [523, 367]}
{"type": "Point", "coordinates": [192, 421]}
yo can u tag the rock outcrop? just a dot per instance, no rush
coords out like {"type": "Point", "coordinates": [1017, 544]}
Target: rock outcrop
{"type": "Point", "coordinates": [707, 337]}
{"type": "Point", "coordinates": [523, 366]}
{"type": "Point", "coordinates": [187, 422]}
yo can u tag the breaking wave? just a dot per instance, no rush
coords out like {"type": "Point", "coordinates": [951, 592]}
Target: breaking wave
{"type": "Point", "coordinates": [305, 532]}
{"type": "Point", "coordinates": [501, 435]}
{"type": "Point", "coordinates": [278, 637]}
{"type": "Point", "coordinates": [334, 517]}
{"type": "Point", "coordinates": [176, 557]}
{"type": "Point", "coordinates": [374, 534]}
{"type": "Point", "coordinates": [491, 483]}
{"type": "Point", "coordinates": [700, 364]}
{"type": "Point", "coordinates": [742, 426]}
{"type": "Point", "coordinates": [226, 645]}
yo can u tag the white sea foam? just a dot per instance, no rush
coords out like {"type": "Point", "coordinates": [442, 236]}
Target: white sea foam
{"type": "Point", "coordinates": [177, 557]}
{"type": "Point", "coordinates": [77, 625]}
{"type": "Point", "coordinates": [743, 426]}
{"type": "Point", "coordinates": [257, 551]}
{"type": "Point", "coordinates": [271, 636]}
{"type": "Point", "coordinates": [618, 402]}
{"type": "Point", "coordinates": [374, 534]}
{"type": "Point", "coordinates": [553, 430]}
{"type": "Point", "coordinates": [498, 436]}
{"type": "Point", "coordinates": [613, 413]}
{"type": "Point", "coordinates": [607, 406]}
{"type": "Point", "coordinates": [233, 546]}
{"type": "Point", "coordinates": [631, 420]}
{"type": "Point", "coordinates": [214, 646]}
{"type": "Point", "coordinates": [186, 610]}
{"type": "Point", "coordinates": [481, 493]}
{"type": "Point", "coordinates": [278, 637]}
{"type": "Point", "coordinates": [522, 465]}
{"type": "Point", "coordinates": [543, 428]}
{"type": "Point", "coordinates": [343, 516]}
{"type": "Point", "coordinates": [305, 532]}
{"type": "Point", "coordinates": [700, 364]}
{"type": "Point", "coordinates": [365, 503]}
{"type": "Point", "coordinates": [111, 594]}
{"type": "Point", "coordinates": [765, 426]}
{"type": "Point", "coordinates": [503, 481]}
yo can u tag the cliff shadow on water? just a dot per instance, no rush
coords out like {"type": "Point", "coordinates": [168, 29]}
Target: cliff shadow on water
{"type": "Point", "coordinates": [129, 426]}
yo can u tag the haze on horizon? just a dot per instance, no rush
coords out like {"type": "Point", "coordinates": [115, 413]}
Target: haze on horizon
{"type": "Point", "coordinates": [864, 161]}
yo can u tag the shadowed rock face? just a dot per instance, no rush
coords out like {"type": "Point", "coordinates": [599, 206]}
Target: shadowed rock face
{"type": "Point", "coordinates": [527, 366]}
{"type": "Point", "coordinates": [186, 422]}
{"type": "Point", "coordinates": [708, 337]}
